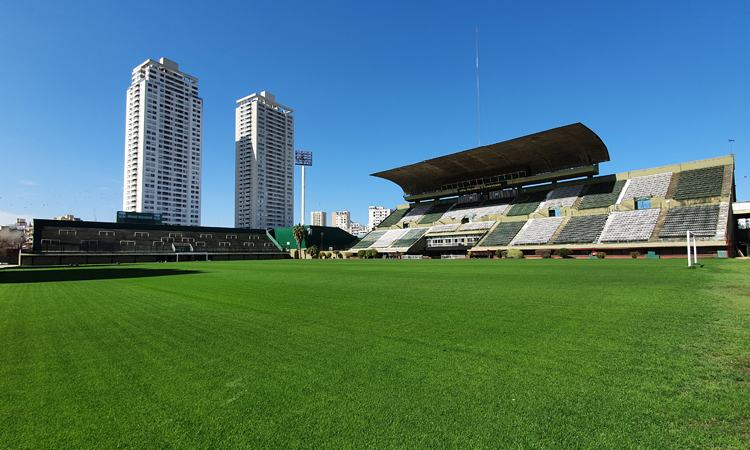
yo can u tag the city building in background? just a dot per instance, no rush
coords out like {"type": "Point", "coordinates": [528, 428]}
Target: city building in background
{"type": "Point", "coordinates": [318, 218]}
{"type": "Point", "coordinates": [264, 164]}
{"type": "Point", "coordinates": [377, 214]}
{"type": "Point", "coordinates": [341, 219]}
{"type": "Point", "coordinates": [357, 229]}
{"type": "Point", "coordinates": [69, 217]}
{"type": "Point", "coordinates": [163, 147]}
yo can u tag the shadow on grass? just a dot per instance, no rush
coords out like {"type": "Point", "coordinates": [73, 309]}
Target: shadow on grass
{"type": "Point", "coordinates": [86, 273]}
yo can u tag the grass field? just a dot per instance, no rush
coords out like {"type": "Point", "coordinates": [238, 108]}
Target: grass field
{"type": "Point", "coordinates": [377, 354]}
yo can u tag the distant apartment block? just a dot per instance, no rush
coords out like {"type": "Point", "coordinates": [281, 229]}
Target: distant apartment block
{"type": "Point", "coordinates": [318, 218]}
{"type": "Point", "coordinates": [264, 163]}
{"type": "Point", "coordinates": [376, 215]}
{"type": "Point", "coordinates": [163, 148]}
{"type": "Point", "coordinates": [357, 229]}
{"type": "Point", "coordinates": [341, 219]}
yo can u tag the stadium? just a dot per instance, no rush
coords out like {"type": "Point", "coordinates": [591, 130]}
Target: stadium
{"type": "Point", "coordinates": [262, 351]}
{"type": "Point", "coordinates": [536, 193]}
{"type": "Point", "coordinates": [542, 192]}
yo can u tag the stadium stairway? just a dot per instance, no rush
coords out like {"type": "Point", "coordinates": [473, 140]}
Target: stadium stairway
{"type": "Point", "coordinates": [560, 228]}
{"type": "Point", "coordinates": [672, 185]}
{"type": "Point", "coordinates": [726, 188]}
{"type": "Point", "coordinates": [659, 225]}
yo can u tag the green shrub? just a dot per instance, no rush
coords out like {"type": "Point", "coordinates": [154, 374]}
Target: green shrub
{"type": "Point", "coordinates": [361, 253]}
{"type": "Point", "coordinates": [499, 253]}
{"type": "Point", "coordinates": [601, 255]}
{"type": "Point", "coordinates": [313, 251]}
{"type": "Point", "coordinates": [372, 253]}
{"type": "Point", "coordinates": [514, 253]}
{"type": "Point", "coordinates": [563, 252]}
{"type": "Point", "coordinates": [635, 254]}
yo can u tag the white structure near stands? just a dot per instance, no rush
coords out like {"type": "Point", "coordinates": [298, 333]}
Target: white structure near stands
{"type": "Point", "coordinates": [163, 149]}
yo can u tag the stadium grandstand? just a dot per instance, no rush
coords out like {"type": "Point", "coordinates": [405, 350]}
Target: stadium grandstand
{"type": "Point", "coordinates": [544, 192]}
{"type": "Point", "coordinates": [65, 242]}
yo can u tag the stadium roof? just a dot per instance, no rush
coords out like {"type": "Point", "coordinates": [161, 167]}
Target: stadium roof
{"type": "Point", "coordinates": [560, 148]}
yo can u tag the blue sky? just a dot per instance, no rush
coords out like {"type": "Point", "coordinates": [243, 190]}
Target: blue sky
{"type": "Point", "coordinates": [374, 85]}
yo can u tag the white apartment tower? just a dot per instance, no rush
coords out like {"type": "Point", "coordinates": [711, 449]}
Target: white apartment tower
{"type": "Point", "coordinates": [163, 144]}
{"type": "Point", "coordinates": [264, 163]}
{"type": "Point", "coordinates": [341, 219]}
{"type": "Point", "coordinates": [376, 215]}
{"type": "Point", "coordinates": [318, 218]}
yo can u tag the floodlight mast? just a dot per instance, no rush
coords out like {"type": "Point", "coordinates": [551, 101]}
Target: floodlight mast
{"type": "Point", "coordinates": [303, 159]}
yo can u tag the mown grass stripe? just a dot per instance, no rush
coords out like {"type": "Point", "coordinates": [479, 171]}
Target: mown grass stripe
{"type": "Point", "coordinates": [540, 354]}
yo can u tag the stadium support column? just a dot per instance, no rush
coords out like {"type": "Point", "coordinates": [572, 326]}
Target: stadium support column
{"type": "Point", "coordinates": [303, 159]}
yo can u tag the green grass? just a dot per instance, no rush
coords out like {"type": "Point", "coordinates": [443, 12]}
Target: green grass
{"type": "Point", "coordinates": [377, 354]}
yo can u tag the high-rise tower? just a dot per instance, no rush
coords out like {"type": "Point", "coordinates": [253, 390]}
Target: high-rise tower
{"type": "Point", "coordinates": [264, 164]}
{"type": "Point", "coordinates": [163, 144]}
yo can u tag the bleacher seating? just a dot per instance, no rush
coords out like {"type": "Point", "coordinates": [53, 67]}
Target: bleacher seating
{"type": "Point", "coordinates": [699, 183]}
{"type": "Point", "coordinates": [582, 229]}
{"type": "Point", "coordinates": [630, 226]}
{"type": "Point", "coordinates": [415, 214]}
{"type": "Point", "coordinates": [410, 237]}
{"type": "Point", "coordinates": [648, 186]}
{"type": "Point", "coordinates": [601, 195]}
{"type": "Point", "coordinates": [106, 238]}
{"type": "Point", "coordinates": [368, 240]}
{"type": "Point", "coordinates": [435, 213]}
{"type": "Point", "coordinates": [527, 203]}
{"type": "Point", "coordinates": [562, 197]}
{"type": "Point", "coordinates": [393, 218]}
{"type": "Point", "coordinates": [444, 228]}
{"type": "Point", "coordinates": [699, 220]}
{"type": "Point", "coordinates": [482, 225]}
{"type": "Point", "coordinates": [475, 211]}
{"type": "Point", "coordinates": [502, 234]}
{"type": "Point", "coordinates": [538, 231]}
{"type": "Point", "coordinates": [389, 238]}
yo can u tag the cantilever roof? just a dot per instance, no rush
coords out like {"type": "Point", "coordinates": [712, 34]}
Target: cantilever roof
{"type": "Point", "coordinates": [548, 151]}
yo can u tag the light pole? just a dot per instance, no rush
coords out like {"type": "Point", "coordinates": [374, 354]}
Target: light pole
{"type": "Point", "coordinates": [303, 159]}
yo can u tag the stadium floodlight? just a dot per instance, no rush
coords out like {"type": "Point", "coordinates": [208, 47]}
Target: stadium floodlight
{"type": "Point", "coordinates": [303, 159]}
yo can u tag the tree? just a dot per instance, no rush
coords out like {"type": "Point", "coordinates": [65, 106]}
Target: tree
{"type": "Point", "coordinates": [10, 239]}
{"type": "Point", "coordinates": [313, 251]}
{"type": "Point", "coordinates": [299, 232]}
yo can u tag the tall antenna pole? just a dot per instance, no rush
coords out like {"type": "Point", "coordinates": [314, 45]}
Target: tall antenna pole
{"type": "Point", "coordinates": [479, 117]}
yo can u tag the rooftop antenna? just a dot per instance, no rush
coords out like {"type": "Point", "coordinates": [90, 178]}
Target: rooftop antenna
{"type": "Point", "coordinates": [730, 146]}
{"type": "Point", "coordinates": [479, 117]}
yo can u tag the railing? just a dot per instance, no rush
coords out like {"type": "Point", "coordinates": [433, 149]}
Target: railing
{"type": "Point", "coordinates": [115, 248]}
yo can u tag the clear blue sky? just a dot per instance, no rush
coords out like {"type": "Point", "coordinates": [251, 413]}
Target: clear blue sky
{"type": "Point", "coordinates": [374, 85]}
